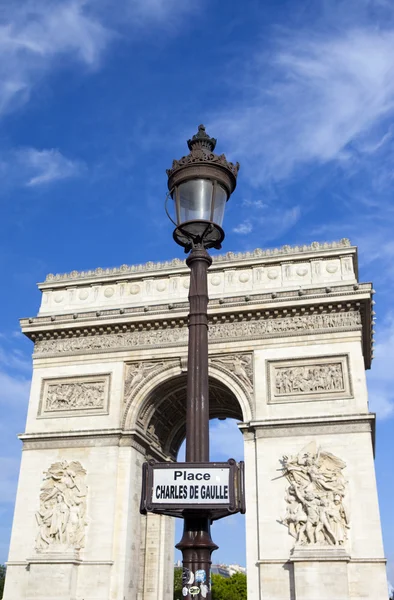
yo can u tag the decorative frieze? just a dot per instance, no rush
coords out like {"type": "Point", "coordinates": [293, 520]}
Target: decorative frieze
{"type": "Point", "coordinates": [321, 378]}
{"type": "Point", "coordinates": [65, 397]}
{"type": "Point", "coordinates": [254, 328]}
{"type": "Point", "coordinates": [61, 518]}
{"type": "Point", "coordinates": [316, 513]}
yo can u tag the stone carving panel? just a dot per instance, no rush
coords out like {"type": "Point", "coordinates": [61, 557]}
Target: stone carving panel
{"type": "Point", "coordinates": [253, 329]}
{"type": "Point", "coordinates": [316, 512]}
{"type": "Point", "coordinates": [239, 365]}
{"type": "Point", "coordinates": [74, 396]}
{"type": "Point", "coordinates": [300, 380]}
{"type": "Point", "coordinates": [137, 373]}
{"type": "Point", "coordinates": [61, 518]}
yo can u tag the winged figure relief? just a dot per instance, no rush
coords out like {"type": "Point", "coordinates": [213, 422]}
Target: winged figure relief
{"type": "Point", "coordinates": [315, 513]}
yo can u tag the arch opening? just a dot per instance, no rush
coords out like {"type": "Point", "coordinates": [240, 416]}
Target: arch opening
{"type": "Point", "coordinates": [164, 411]}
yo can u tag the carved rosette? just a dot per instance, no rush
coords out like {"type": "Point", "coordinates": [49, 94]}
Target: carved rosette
{"type": "Point", "coordinates": [316, 512]}
{"type": "Point", "coordinates": [61, 518]}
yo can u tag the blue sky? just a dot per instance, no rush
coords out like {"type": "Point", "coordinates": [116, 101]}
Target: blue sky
{"type": "Point", "coordinates": [97, 98]}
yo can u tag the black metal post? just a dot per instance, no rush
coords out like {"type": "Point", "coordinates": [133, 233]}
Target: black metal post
{"type": "Point", "coordinates": [196, 543]}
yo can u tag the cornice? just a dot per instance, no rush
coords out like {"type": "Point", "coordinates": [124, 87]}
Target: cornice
{"type": "Point", "coordinates": [318, 425]}
{"type": "Point", "coordinates": [234, 309]}
{"type": "Point", "coordinates": [316, 248]}
{"type": "Point", "coordinates": [176, 309]}
{"type": "Point", "coordinates": [91, 438]}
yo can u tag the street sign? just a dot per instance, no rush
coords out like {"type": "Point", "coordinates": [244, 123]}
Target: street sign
{"type": "Point", "coordinates": [172, 488]}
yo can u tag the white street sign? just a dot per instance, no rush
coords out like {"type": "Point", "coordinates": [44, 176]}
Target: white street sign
{"type": "Point", "coordinates": [191, 485]}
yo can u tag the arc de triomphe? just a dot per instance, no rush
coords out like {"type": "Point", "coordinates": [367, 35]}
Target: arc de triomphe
{"type": "Point", "coordinates": [290, 339]}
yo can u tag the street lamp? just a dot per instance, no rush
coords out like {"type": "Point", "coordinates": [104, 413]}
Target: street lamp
{"type": "Point", "coordinates": [200, 184]}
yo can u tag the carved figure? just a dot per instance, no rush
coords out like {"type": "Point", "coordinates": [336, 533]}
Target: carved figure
{"type": "Point", "coordinates": [240, 365]}
{"type": "Point", "coordinates": [136, 373]}
{"type": "Point", "coordinates": [61, 517]}
{"type": "Point", "coordinates": [178, 335]}
{"type": "Point", "coordinates": [66, 396]}
{"type": "Point", "coordinates": [315, 513]}
{"type": "Point", "coordinates": [309, 378]}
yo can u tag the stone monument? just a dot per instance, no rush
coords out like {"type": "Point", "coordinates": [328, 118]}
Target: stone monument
{"type": "Point", "coordinates": [290, 339]}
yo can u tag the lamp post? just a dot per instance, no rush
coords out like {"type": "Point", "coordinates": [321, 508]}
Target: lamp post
{"type": "Point", "coordinates": [198, 491]}
{"type": "Point", "coordinates": [200, 184]}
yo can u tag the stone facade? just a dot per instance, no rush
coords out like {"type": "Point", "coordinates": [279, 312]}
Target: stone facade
{"type": "Point", "coordinates": [290, 339]}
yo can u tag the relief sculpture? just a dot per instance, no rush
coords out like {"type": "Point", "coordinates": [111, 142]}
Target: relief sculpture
{"type": "Point", "coordinates": [61, 518]}
{"type": "Point", "coordinates": [136, 373]}
{"type": "Point", "coordinates": [239, 364]}
{"type": "Point", "coordinates": [316, 512]}
{"type": "Point", "coordinates": [217, 331]}
{"type": "Point", "coordinates": [65, 396]}
{"type": "Point", "coordinates": [309, 378]}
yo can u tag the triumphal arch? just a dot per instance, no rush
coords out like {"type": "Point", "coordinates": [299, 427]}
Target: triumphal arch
{"type": "Point", "coordinates": [290, 338]}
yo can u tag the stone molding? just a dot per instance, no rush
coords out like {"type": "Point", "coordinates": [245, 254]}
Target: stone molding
{"type": "Point", "coordinates": [319, 554]}
{"type": "Point", "coordinates": [241, 326]}
{"type": "Point", "coordinates": [177, 309]}
{"type": "Point", "coordinates": [254, 277]}
{"type": "Point", "coordinates": [176, 263]}
{"type": "Point", "coordinates": [60, 559]}
{"type": "Point", "coordinates": [341, 424]}
{"type": "Point", "coordinates": [317, 378]}
{"type": "Point", "coordinates": [90, 439]}
{"type": "Point", "coordinates": [283, 561]}
{"type": "Point", "coordinates": [79, 396]}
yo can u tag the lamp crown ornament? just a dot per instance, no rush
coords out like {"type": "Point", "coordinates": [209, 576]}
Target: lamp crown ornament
{"type": "Point", "coordinates": [200, 184]}
{"type": "Point", "coordinates": [202, 147]}
{"type": "Point", "coordinates": [201, 139]}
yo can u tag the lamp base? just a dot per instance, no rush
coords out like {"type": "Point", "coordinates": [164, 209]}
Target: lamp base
{"type": "Point", "coordinates": [204, 233]}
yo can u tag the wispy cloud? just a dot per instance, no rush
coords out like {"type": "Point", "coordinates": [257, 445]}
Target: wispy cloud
{"type": "Point", "coordinates": [45, 166]}
{"type": "Point", "coordinates": [38, 36]}
{"type": "Point", "coordinates": [243, 228]}
{"type": "Point", "coordinates": [272, 222]}
{"type": "Point", "coordinates": [33, 168]}
{"type": "Point", "coordinates": [34, 36]}
{"type": "Point", "coordinates": [309, 98]}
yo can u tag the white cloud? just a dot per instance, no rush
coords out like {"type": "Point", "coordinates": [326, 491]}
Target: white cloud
{"type": "Point", "coordinates": [34, 36]}
{"type": "Point", "coordinates": [243, 228]}
{"type": "Point", "coordinates": [45, 166]}
{"type": "Point", "coordinates": [381, 376]}
{"type": "Point", "coordinates": [254, 203]}
{"type": "Point", "coordinates": [37, 36]}
{"type": "Point", "coordinates": [308, 99]}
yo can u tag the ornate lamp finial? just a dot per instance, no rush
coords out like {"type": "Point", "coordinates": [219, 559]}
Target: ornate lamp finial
{"type": "Point", "coordinates": [202, 148]}
{"type": "Point", "coordinates": [201, 139]}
